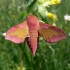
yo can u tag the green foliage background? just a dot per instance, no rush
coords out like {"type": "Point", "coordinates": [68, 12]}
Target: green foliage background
{"type": "Point", "coordinates": [48, 56]}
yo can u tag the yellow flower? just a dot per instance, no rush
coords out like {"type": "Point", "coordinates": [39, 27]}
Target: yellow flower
{"type": "Point", "coordinates": [52, 16]}
{"type": "Point", "coordinates": [55, 1]}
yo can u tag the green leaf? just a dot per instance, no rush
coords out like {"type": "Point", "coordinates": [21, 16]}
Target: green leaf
{"type": "Point", "coordinates": [27, 2]}
{"type": "Point", "coordinates": [32, 7]}
{"type": "Point", "coordinates": [23, 15]}
{"type": "Point", "coordinates": [42, 11]}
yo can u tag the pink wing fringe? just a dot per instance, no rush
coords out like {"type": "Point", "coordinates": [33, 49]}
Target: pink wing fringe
{"type": "Point", "coordinates": [15, 38]}
{"type": "Point", "coordinates": [55, 38]}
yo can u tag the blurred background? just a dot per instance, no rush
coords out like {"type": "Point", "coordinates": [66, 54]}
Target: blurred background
{"type": "Point", "coordinates": [48, 56]}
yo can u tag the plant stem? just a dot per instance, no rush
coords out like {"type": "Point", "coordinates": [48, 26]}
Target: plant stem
{"type": "Point", "coordinates": [21, 65]}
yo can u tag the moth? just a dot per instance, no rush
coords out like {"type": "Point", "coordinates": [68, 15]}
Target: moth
{"type": "Point", "coordinates": [31, 30]}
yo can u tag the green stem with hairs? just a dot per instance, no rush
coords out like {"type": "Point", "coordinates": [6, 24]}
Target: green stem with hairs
{"type": "Point", "coordinates": [22, 54]}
